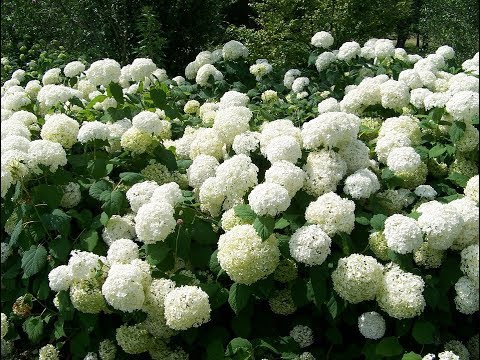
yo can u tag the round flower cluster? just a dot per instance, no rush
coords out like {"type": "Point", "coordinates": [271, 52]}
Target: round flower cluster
{"type": "Point", "coordinates": [245, 257]}
{"type": "Point", "coordinates": [154, 222]}
{"type": "Point", "coordinates": [357, 278]}
{"type": "Point", "coordinates": [324, 170]}
{"type": "Point", "coordinates": [361, 184]}
{"type": "Point", "coordinates": [403, 234]}
{"type": "Point", "coordinates": [48, 352]}
{"type": "Point", "coordinates": [371, 325]}
{"type": "Point", "coordinates": [269, 199]}
{"type": "Point", "coordinates": [303, 335]}
{"type": "Point", "coordinates": [322, 39]}
{"type": "Point", "coordinates": [119, 227]}
{"type": "Point", "coordinates": [286, 174]}
{"type": "Point", "coordinates": [186, 307]}
{"type": "Point", "coordinates": [310, 245]}
{"type": "Point", "coordinates": [61, 129]}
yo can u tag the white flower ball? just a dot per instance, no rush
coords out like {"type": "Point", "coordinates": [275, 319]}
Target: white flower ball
{"type": "Point", "coordinates": [467, 298]}
{"type": "Point", "coordinates": [233, 50]}
{"type": "Point", "coordinates": [205, 72]}
{"type": "Point", "coordinates": [232, 121]}
{"type": "Point", "coordinates": [140, 194]}
{"type": "Point", "coordinates": [310, 245]}
{"type": "Point", "coordinates": [46, 153]}
{"type": "Point", "coordinates": [384, 48]}
{"type": "Point", "coordinates": [51, 76]}
{"type": "Point", "coordinates": [93, 130]}
{"type": "Point", "coordinates": [269, 199]}
{"type": "Point", "coordinates": [323, 60]}
{"type": "Point", "coordinates": [191, 107]}
{"type": "Point", "coordinates": [84, 265]}
{"type": "Point", "coordinates": [468, 210]}
{"type": "Point", "coordinates": [149, 122]}
{"type": "Point", "coordinates": [402, 233]}
{"type": "Point", "coordinates": [303, 335]}
{"type": "Point", "coordinates": [103, 72]}
{"type": "Point", "coordinates": [288, 175]}
{"type": "Point", "coordinates": [425, 191]}
{"type": "Point", "coordinates": [283, 147]}
{"type": "Point", "coordinates": [322, 39]}
{"type": "Point", "coordinates": [211, 195]}
{"type": "Point", "coordinates": [469, 263]}
{"type": "Point", "coordinates": [142, 68]}
{"type": "Point", "coordinates": [73, 69]}
{"type": "Point", "coordinates": [471, 189]}
{"type": "Point", "coordinates": [61, 129]}
{"type": "Point", "coordinates": [324, 170]}
{"type": "Point", "coordinates": [395, 94]}
{"type": "Point", "coordinates": [356, 155]}
{"type": "Point", "coordinates": [348, 51]}
{"type": "Point", "coordinates": [60, 278]}
{"type": "Point", "coordinates": [245, 257]}
{"type": "Point", "coordinates": [155, 297]}
{"type": "Point", "coordinates": [123, 288]}
{"type": "Point", "coordinates": [169, 193]}
{"type": "Point", "coordinates": [122, 251]}
{"type": "Point", "coordinates": [246, 143]}
{"type": "Point", "coordinates": [328, 105]}
{"type": "Point", "coordinates": [371, 325]}
{"type": "Point", "coordinates": [463, 106]}
{"type": "Point", "coordinates": [361, 184]}
{"type": "Point", "coordinates": [186, 307]}
{"type": "Point", "coordinates": [119, 227]}
{"type": "Point", "coordinates": [237, 174]}
{"type": "Point", "coordinates": [332, 213]}
{"type": "Point", "coordinates": [154, 222]}
{"type": "Point", "coordinates": [202, 167]}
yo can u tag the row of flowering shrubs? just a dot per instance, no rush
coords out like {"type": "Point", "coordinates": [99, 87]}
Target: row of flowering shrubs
{"type": "Point", "coordinates": [241, 212]}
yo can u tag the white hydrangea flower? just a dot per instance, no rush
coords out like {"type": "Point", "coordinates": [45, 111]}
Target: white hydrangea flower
{"type": "Point", "coordinates": [361, 184]}
{"type": "Point", "coordinates": [60, 278]}
{"type": "Point", "coordinates": [386, 144]}
{"type": "Point", "coordinates": [14, 127]}
{"type": "Point", "coordinates": [384, 48]}
{"type": "Point", "coordinates": [211, 195]}
{"type": "Point", "coordinates": [269, 199]}
{"type": "Point", "coordinates": [103, 72]}
{"type": "Point", "coordinates": [186, 307]}
{"type": "Point", "coordinates": [232, 121]}
{"type": "Point", "coordinates": [332, 129]}
{"type": "Point", "coordinates": [51, 76]}
{"type": "Point", "coordinates": [348, 51]}
{"type": "Point", "coordinates": [468, 210]}
{"type": "Point", "coordinates": [271, 130]}
{"type": "Point", "coordinates": [246, 143]}
{"type": "Point", "coordinates": [154, 222]}
{"type": "Point", "coordinates": [310, 245]}
{"type": "Point", "coordinates": [206, 141]}
{"type": "Point", "coordinates": [140, 194]}
{"type": "Point", "coordinates": [356, 155]}
{"type": "Point", "coordinates": [123, 288]}
{"type": "Point", "coordinates": [469, 263]}
{"type": "Point", "coordinates": [324, 59]}
{"type": "Point", "coordinates": [395, 94]}
{"type": "Point", "coordinates": [260, 69]}
{"type": "Point", "coordinates": [149, 122]}
{"type": "Point", "coordinates": [467, 298]}
{"type": "Point", "coordinates": [288, 175]}
{"type": "Point", "coordinates": [60, 128]}
{"type": "Point", "coordinates": [191, 107]}
{"type": "Point", "coordinates": [84, 264]}
{"type": "Point", "coordinates": [332, 213]}
{"type": "Point", "coordinates": [233, 50]}
{"type": "Point", "coordinates": [4, 326]}
{"type": "Point", "coordinates": [122, 251]}
{"type": "Point", "coordinates": [299, 84]}
{"type": "Point", "coordinates": [141, 68]}
{"type": "Point", "coordinates": [202, 167]}
{"type": "Point", "coordinates": [48, 352]}
{"type": "Point", "coordinates": [284, 147]}
{"type": "Point", "coordinates": [245, 257]}
{"type": "Point", "coordinates": [400, 293]}
{"type": "Point", "coordinates": [463, 105]}
{"type": "Point", "coordinates": [425, 191]}
{"type": "Point", "coordinates": [324, 170]}
{"type": "Point", "coordinates": [169, 193]}
{"type": "Point", "coordinates": [233, 98]}
{"type": "Point", "coordinates": [328, 105]}
{"type": "Point", "coordinates": [26, 117]}
{"type": "Point", "coordinates": [403, 159]}
{"type": "Point", "coordinates": [119, 227]}
{"type": "Point", "coordinates": [46, 153]}
{"type": "Point", "coordinates": [237, 174]}
{"type": "Point", "coordinates": [93, 130]}
{"type": "Point", "coordinates": [411, 78]}
{"type": "Point", "coordinates": [417, 97]}
{"type": "Point", "coordinates": [322, 39]}
{"type": "Point", "coordinates": [371, 325]}
{"type": "Point", "coordinates": [205, 72]}
{"type": "Point", "coordinates": [155, 296]}
{"type": "Point", "coordinates": [290, 76]}
{"type": "Point", "coordinates": [73, 69]}
{"type": "Point", "coordinates": [471, 189]}
{"type": "Point", "coordinates": [15, 100]}
{"type": "Point", "coordinates": [303, 335]}
{"type": "Point", "coordinates": [269, 96]}
{"type": "Point", "coordinates": [402, 233]}
{"type": "Point", "coordinates": [357, 278]}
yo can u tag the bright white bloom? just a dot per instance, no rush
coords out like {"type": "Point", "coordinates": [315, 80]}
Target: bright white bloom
{"type": "Point", "coordinates": [180, 80]}
{"type": "Point", "coordinates": [273, 129]}
{"type": "Point", "coordinates": [348, 51]}
{"type": "Point", "coordinates": [371, 325]}
{"type": "Point", "coordinates": [402, 233]}
{"type": "Point", "coordinates": [51, 76]}
{"type": "Point", "coordinates": [233, 98]}
{"type": "Point", "coordinates": [118, 227]}
{"type": "Point", "coordinates": [32, 88]}
{"type": "Point", "coordinates": [233, 50]}
{"type": "Point", "coordinates": [207, 141]}
{"type": "Point", "coordinates": [328, 105]}
{"type": "Point", "coordinates": [468, 210]}
{"type": "Point", "coordinates": [361, 184]}
{"type": "Point", "coordinates": [142, 68]}
{"type": "Point", "coordinates": [403, 159]}
{"type": "Point", "coordinates": [395, 94]}
{"type": "Point", "coordinates": [15, 142]}
{"type": "Point", "coordinates": [260, 69]}
{"type": "Point", "coordinates": [169, 193]}
{"type": "Point", "coordinates": [299, 84]}
{"type": "Point", "coordinates": [93, 130]}
{"type": "Point", "coordinates": [303, 335]}
{"type": "Point", "coordinates": [440, 223]}
{"type": "Point", "coordinates": [232, 121]}
{"type": "Point", "coordinates": [269, 199]}
{"type": "Point", "coordinates": [387, 143]}
{"type": "Point", "coordinates": [436, 100]}
{"type": "Point", "coordinates": [103, 72]}
{"type": "Point", "coordinates": [230, 220]}
{"type": "Point", "coordinates": [269, 96]}
{"type": "Point", "coordinates": [467, 298]}
{"type": "Point", "coordinates": [14, 127]}
{"type": "Point", "coordinates": [288, 175]}
{"type": "Point", "coordinates": [357, 278]}
{"type": "Point", "coordinates": [123, 288]}
{"type": "Point", "coordinates": [15, 100]}
{"type": "Point", "coordinates": [469, 262]}
{"type": "Point", "coordinates": [290, 76]}
{"type": "Point", "coordinates": [237, 174]}
{"type": "Point", "coordinates": [154, 222]}
{"type": "Point", "coordinates": [25, 117]}
{"type": "Point", "coordinates": [212, 195]}
{"type": "Point", "coordinates": [191, 107]}
{"type": "Point", "coordinates": [207, 113]}
{"type": "Point", "coordinates": [324, 170]}
{"type": "Point", "coordinates": [411, 78]}
{"type": "Point", "coordinates": [471, 190]}
{"type": "Point", "coordinates": [446, 52]}
{"type": "Point", "coordinates": [324, 59]}
{"type": "Point", "coordinates": [332, 213]}
{"type": "Point", "coordinates": [201, 169]}
{"type": "Point", "coordinates": [73, 69]}
{"type": "Point", "coordinates": [310, 245]}
{"type": "Point", "coordinates": [122, 251]}
{"type": "Point", "coordinates": [384, 48]}
{"type": "Point", "coordinates": [245, 257]}
{"type": "Point", "coordinates": [425, 191]}
{"type": "Point", "coordinates": [19, 75]}
{"type": "Point", "coordinates": [204, 73]}
{"type": "Point", "coordinates": [283, 147]}
{"type": "Point", "coordinates": [400, 293]}
{"type": "Point", "coordinates": [84, 264]}
{"type": "Point", "coordinates": [48, 352]}
{"type": "Point", "coordinates": [356, 155]}
{"type": "Point", "coordinates": [417, 97]}
{"type": "Point", "coordinates": [61, 129]}
{"type": "Point", "coordinates": [71, 195]}
{"type": "Point", "coordinates": [332, 129]}
{"type": "Point", "coordinates": [157, 75]}
{"type": "Point", "coordinates": [322, 39]}
{"type": "Point", "coordinates": [60, 278]}
{"type": "Point", "coordinates": [149, 122]}
{"type": "Point", "coordinates": [463, 106]}
{"type": "Point", "coordinates": [46, 153]}
{"type": "Point", "coordinates": [186, 307]}
{"type": "Point", "coordinates": [155, 296]}
{"type": "Point", "coordinates": [246, 143]}
{"type": "Point", "coordinates": [140, 194]}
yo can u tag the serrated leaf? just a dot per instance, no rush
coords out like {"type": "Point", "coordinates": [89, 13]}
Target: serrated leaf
{"type": "Point", "coordinates": [34, 260]}
{"type": "Point", "coordinates": [238, 344]}
{"type": "Point", "coordinates": [60, 247]}
{"type": "Point", "coordinates": [157, 252]}
{"type": "Point", "coordinates": [245, 213]}
{"type": "Point", "coordinates": [131, 178]}
{"type": "Point", "coordinates": [58, 330]}
{"type": "Point", "coordinates": [58, 220]}
{"type": "Point", "coordinates": [97, 189]}
{"type": "Point", "coordinates": [239, 296]}
{"type": "Point", "coordinates": [436, 151]}
{"type": "Point", "coordinates": [114, 203]}
{"type": "Point", "coordinates": [203, 233]}
{"type": "Point", "coordinates": [17, 230]}
{"type": "Point", "coordinates": [166, 157]}
{"type": "Point", "coordinates": [411, 356]}
{"type": "Point", "coordinates": [389, 346]}
{"type": "Point", "coordinates": [423, 332]}
{"type": "Point", "coordinates": [457, 130]}
{"type": "Point", "coordinates": [47, 194]}
{"type": "Point", "coordinates": [458, 179]}
{"type": "Point", "coordinates": [117, 92]}
{"type": "Point", "coordinates": [89, 240]}
{"type": "Point", "coordinates": [281, 223]}
{"type": "Point", "coordinates": [378, 222]}
{"type": "Point", "coordinates": [158, 97]}
{"type": "Point", "coordinates": [33, 327]}
{"type": "Point", "coordinates": [264, 226]}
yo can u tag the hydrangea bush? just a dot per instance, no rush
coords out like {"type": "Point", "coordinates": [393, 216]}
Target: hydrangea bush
{"type": "Point", "coordinates": [243, 212]}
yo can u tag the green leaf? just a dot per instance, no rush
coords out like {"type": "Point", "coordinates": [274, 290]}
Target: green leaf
{"type": "Point", "coordinates": [58, 330]}
{"type": "Point", "coordinates": [117, 92]}
{"type": "Point", "coordinates": [47, 194]}
{"type": "Point", "coordinates": [96, 99]}
{"type": "Point", "coordinates": [245, 213]}
{"type": "Point", "coordinates": [264, 226]}
{"type": "Point", "coordinates": [423, 332]}
{"type": "Point", "coordinates": [411, 356]}
{"type": "Point", "coordinates": [33, 327]}
{"type": "Point", "coordinates": [99, 189]}
{"type": "Point", "coordinates": [158, 97]}
{"type": "Point", "coordinates": [34, 260]}
{"type": "Point", "coordinates": [238, 344]}
{"type": "Point", "coordinates": [115, 203]}
{"type": "Point", "coordinates": [281, 223]}
{"type": "Point", "coordinates": [131, 178]}
{"type": "Point", "coordinates": [239, 296]}
{"type": "Point", "coordinates": [203, 233]}
{"type": "Point", "coordinates": [457, 130]}
{"type": "Point", "coordinates": [332, 306]}
{"type": "Point", "coordinates": [436, 151]}
{"type": "Point", "coordinates": [89, 240]}
{"type": "Point", "coordinates": [17, 230]}
{"type": "Point", "coordinates": [318, 279]}
{"type": "Point", "coordinates": [60, 247]}
{"type": "Point", "coordinates": [378, 221]}
{"type": "Point", "coordinates": [65, 306]}
{"type": "Point", "coordinates": [362, 220]}
{"type": "Point", "coordinates": [76, 101]}
{"type": "Point", "coordinates": [157, 252]}
{"type": "Point", "coordinates": [437, 114]}
{"type": "Point", "coordinates": [389, 346]}
{"type": "Point", "coordinates": [57, 220]}
{"type": "Point", "coordinates": [458, 179]}
{"type": "Point", "coordinates": [166, 157]}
